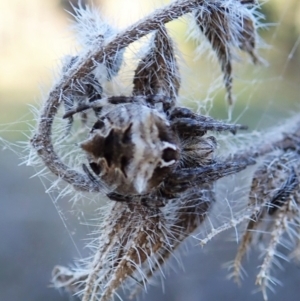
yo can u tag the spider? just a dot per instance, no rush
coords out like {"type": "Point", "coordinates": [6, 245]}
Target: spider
{"type": "Point", "coordinates": [144, 148]}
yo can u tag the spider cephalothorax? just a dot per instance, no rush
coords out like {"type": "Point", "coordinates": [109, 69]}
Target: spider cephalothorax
{"type": "Point", "coordinates": [143, 148]}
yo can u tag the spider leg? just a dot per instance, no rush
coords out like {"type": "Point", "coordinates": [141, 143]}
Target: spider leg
{"type": "Point", "coordinates": [184, 178]}
{"type": "Point", "coordinates": [187, 122]}
{"type": "Point", "coordinates": [152, 201]}
{"type": "Point", "coordinates": [179, 112]}
{"type": "Point", "coordinates": [119, 197]}
{"type": "Point", "coordinates": [153, 100]}
{"type": "Point", "coordinates": [97, 104]}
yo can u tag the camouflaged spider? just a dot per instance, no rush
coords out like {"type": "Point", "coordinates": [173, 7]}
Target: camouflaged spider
{"type": "Point", "coordinates": [146, 149]}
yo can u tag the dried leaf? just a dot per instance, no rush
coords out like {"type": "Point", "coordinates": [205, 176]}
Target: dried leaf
{"type": "Point", "coordinates": [274, 197]}
{"type": "Point", "coordinates": [228, 24]}
{"type": "Point", "coordinates": [157, 72]}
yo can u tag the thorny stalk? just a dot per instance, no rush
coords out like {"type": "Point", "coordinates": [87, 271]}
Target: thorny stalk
{"type": "Point", "coordinates": [154, 159]}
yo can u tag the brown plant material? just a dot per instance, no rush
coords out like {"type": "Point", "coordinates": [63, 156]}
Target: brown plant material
{"type": "Point", "coordinates": [274, 197]}
{"type": "Point", "coordinates": [134, 242]}
{"type": "Point", "coordinates": [157, 72]}
{"type": "Point", "coordinates": [228, 24]}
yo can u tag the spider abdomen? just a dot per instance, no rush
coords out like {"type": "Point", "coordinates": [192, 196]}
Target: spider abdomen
{"type": "Point", "coordinates": [132, 148]}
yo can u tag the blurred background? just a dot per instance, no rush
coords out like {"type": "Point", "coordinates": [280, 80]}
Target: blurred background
{"type": "Point", "coordinates": [34, 35]}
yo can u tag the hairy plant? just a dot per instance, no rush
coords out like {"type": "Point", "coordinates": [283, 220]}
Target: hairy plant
{"type": "Point", "coordinates": [154, 159]}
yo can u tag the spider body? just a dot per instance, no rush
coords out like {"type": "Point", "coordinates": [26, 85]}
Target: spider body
{"type": "Point", "coordinates": [144, 149]}
{"type": "Point", "coordinates": [132, 148]}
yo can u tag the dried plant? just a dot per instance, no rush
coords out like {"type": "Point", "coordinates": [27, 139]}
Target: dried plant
{"type": "Point", "coordinates": [153, 159]}
{"type": "Point", "coordinates": [275, 196]}
{"type": "Point", "coordinates": [226, 24]}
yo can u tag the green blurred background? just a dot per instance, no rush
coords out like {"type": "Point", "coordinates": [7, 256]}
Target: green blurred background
{"type": "Point", "coordinates": [34, 35]}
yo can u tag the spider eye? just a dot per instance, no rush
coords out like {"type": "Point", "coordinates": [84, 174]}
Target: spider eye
{"type": "Point", "coordinates": [169, 155]}
{"type": "Point", "coordinates": [95, 168]}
